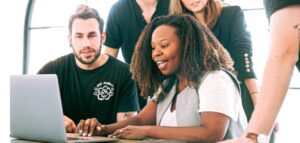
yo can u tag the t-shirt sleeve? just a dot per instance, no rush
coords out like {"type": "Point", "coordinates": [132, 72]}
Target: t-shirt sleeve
{"type": "Point", "coordinates": [218, 93]}
{"type": "Point", "coordinates": [113, 29]}
{"type": "Point", "coordinates": [128, 100]}
{"type": "Point", "coordinates": [48, 68]}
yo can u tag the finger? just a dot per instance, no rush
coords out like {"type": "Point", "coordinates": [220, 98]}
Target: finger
{"type": "Point", "coordinates": [92, 126]}
{"type": "Point", "coordinates": [80, 126]}
{"type": "Point", "coordinates": [117, 133]}
{"type": "Point", "coordinates": [68, 128]}
{"type": "Point", "coordinates": [86, 127]}
{"type": "Point", "coordinates": [101, 130]}
{"type": "Point", "coordinates": [74, 128]}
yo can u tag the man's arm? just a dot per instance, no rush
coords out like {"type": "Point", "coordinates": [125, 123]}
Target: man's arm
{"type": "Point", "coordinates": [111, 51]}
{"type": "Point", "coordinates": [124, 115]}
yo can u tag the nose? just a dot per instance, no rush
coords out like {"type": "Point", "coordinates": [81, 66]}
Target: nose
{"type": "Point", "coordinates": [156, 53]}
{"type": "Point", "coordinates": [86, 42]}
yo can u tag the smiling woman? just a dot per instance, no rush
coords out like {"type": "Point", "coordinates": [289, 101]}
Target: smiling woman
{"type": "Point", "coordinates": [165, 49]}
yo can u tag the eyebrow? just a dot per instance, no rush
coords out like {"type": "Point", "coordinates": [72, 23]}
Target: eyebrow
{"type": "Point", "coordinates": [160, 41]}
{"type": "Point", "coordinates": [79, 33]}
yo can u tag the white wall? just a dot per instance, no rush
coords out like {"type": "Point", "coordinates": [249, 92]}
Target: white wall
{"type": "Point", "coordinates": [11, 26]}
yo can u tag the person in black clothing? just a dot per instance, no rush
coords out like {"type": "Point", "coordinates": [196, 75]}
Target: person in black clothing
{"type": "Point", "coordinates": [92, 85]}
{"type": "Point", "coordinates": [284, 16]}
{"type": "Point", "coordinates": [126, 20]}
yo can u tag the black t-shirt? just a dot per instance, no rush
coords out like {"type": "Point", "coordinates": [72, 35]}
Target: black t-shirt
{"type": "Point", "coordinates": [125, 24]}
{"type": "Point", "coordinates": [272, 6]}
{"type": "Point", "coordinates": [99, 93]}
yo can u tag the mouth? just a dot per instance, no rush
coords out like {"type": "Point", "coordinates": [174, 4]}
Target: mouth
{"type": "Point", "coordinates": [194, 2]}
{"type": "Point", "coordinates": [161, 64]}
{"type": "Point", "coordinates": [87, 52]}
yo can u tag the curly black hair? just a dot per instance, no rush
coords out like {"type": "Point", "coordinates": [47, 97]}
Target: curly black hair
{"type": "Point", "coordinates": [200, 52]}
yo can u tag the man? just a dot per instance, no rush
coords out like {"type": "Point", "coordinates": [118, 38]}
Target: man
{"type": "Point", "coordinates": [92, 85]}
{"type": "Point", "coordinates": [126, 20]}
{"type": "Point", "coordinates": [284, 16]}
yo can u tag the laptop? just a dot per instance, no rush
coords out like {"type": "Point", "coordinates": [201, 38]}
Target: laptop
{"type": "Point", "coordinates": [36, 111]}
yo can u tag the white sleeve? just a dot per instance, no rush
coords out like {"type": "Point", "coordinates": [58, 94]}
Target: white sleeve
{"type": "Point", "coordinates": [218, 93]}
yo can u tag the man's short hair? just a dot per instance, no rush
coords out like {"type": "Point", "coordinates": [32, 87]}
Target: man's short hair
{"type": "Point", "coordinates": [85, 12]}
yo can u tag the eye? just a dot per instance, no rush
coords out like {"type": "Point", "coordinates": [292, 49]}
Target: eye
{"type": "Point", "coordinates": [92, 35]}
{"type": "Point", "coordinates": [78, 36]}
{"type": "Point", "coordinates": [164, 46]}
{"type": "Point", "coordinates": [152, 48]}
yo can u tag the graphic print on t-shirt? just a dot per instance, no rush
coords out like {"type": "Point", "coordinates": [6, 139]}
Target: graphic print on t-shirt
{"type": "Point", "coordinates": [104, 90]}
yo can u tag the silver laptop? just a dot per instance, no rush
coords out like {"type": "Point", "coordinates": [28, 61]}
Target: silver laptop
{"type": "Point", "coordinates": [36, 111]}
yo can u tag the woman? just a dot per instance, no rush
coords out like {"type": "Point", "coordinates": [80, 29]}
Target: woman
{"type": "Point", "coordinates": [196, 97]}
{"type": "Point", "coordinates": [229, 27]}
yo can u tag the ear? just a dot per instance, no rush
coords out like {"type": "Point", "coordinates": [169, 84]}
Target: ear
{"type": "Point", "coordinates": [103, 37]}
{"type": "Point", "coordinates": [70, 40]}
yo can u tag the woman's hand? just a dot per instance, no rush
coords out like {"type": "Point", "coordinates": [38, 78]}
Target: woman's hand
{"type": "Point", "coordinates": [131, 132]}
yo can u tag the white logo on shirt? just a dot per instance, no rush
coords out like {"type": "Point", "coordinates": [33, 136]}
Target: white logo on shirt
{"type": "Point", "coordinates": [104, 90]}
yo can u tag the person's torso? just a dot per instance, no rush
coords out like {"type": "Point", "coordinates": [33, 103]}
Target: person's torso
{"type": "Point", "coordinates": [90, 93]}
{"type": "Point", "coordinates": [187, 109]}
{"type": "Point", "coordinates": [132, 23]}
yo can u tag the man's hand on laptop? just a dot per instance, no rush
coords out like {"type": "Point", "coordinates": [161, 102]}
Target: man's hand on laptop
{"type": "Point", "coordinates": [69, 125]}
{"type": "Point", "coordinates": [91, 127]}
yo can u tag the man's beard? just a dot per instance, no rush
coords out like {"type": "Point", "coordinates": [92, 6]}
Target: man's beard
{"type": "Point", "coordinates": [94, 58]}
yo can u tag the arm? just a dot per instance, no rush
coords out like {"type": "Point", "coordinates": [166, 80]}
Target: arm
{"type": "Point", "coordinates": [213, 128]}
{"type": "Point", "coordinates": [111, 51]}
{"type": "Point", "coordinates": [92, 127]}
{"type": "Point", "coordinates": [216, 108]}
{"type": "Point", "coordinates": [242, 53]}
{"type": "Point", "coordinates": [284, 51]}
{"type": "Point", "coordinates": [240, 45]}
{"type": "Point", "coordinates": [114, 38]}
{"type": "Point", "coordinates": [125, 115]}
{"type": "Point", "coordinates": [252, 88]}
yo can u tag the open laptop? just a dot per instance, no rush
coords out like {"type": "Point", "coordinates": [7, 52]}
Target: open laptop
{"type": "Point", "coordinates": [36, 111]}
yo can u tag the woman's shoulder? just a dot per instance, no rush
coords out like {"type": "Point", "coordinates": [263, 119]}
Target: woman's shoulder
{"type": "Point", "coordinates": [216, 74]}
{"type": "Point", "coordinates": [230, 11]}
{"type": "Point", "coordinates": [121, 6]}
